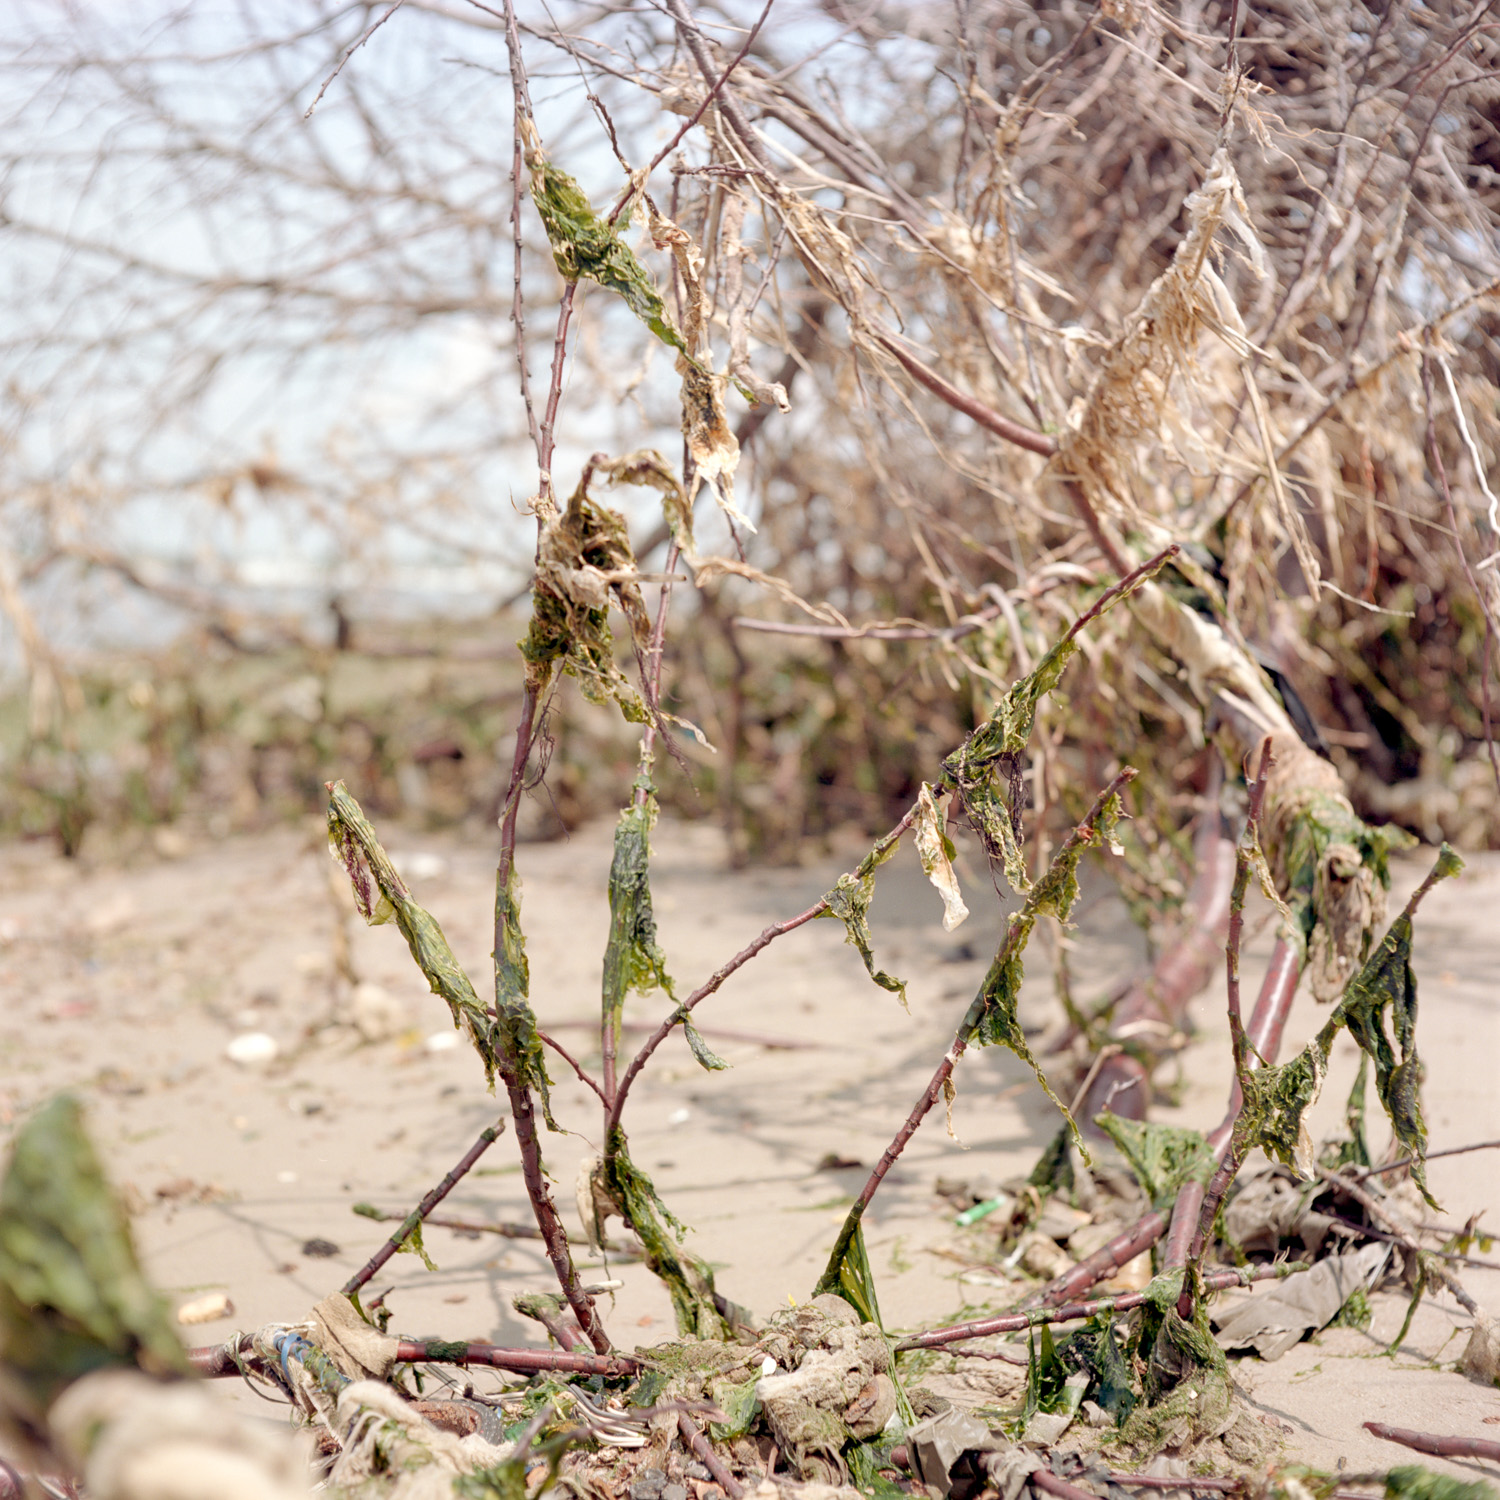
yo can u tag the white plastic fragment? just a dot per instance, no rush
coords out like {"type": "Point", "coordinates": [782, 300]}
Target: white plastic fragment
{"type": "Point", "coordinates": [252, 1049]}
{"type": "Point", "coordinates": [208, 1308]}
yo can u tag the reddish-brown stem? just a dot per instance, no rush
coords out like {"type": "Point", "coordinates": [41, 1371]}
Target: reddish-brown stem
{"type": "Point", "coordinates": [1161, 993]}
{"type": "Point", "coordinates": [554, 1236]}
{"type": "Point", "coordinates": [1267, 1022]}
{"type": "Point", "coordinates": [572, 1062]}
{"type": "Point", "coordinates": [708, 99]}
{"type": "Point", "coordinates": [523, 1111]}
{"type": "Point", "coordinates": [474, 1226]}
{"type": "Point", "coordinates": [717, 978]}
{"type": "Point", "coordinates": [522, 1361]}
{"type": "Point", "coordinates": [1233, 1157]}
{"type": "Point", "coordinates": [968, 1026]}
{"type": "Point", "coordinates": [700, 1444]}
{"type": "Point", "coordinates": [1015, 1322]}
{"type": "Point", "coordinates": [1406, 1161]}
{"type": "Point", "coordinates": [986, 416]}
{"type": "Point", "coordinates": [1049, 1484]}
{"type": "Point", "coordinates": [687, 28]}
{"type": "Point", "coordinates": [1435, 1444]}
{"type": "Point", "coordinates": [487, 1138]}
{"type": "Point", "coordinates": [509, 810]}
{"type": "Point", "coordinates": [218, 1360]}
{"type": "Point", "coordinates": [566, 1339]}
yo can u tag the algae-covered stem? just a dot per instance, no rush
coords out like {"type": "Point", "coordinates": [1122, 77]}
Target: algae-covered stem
{"type": "Point", "coordinates": [413, 1220]}
{"type": "Point", "coordinates": [651, 684]}
{"type": "Point", "coordinates": [1239, 1143]}
{"type": "Point", "coordinates": [1112, 595]}
{"type": "Point", "coordinates": [1014, 939]}
{"type": "Point", "coordinates": [1018, 1322]}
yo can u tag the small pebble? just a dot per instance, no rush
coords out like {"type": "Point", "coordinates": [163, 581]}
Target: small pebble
{"type": "Point", "coordinates": [320, 1249]}
{"type": "Point", "coordinates": [442, 1041]}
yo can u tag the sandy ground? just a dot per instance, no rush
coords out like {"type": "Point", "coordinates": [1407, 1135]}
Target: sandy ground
{"type": "Point", "coordinates": [127, 984]}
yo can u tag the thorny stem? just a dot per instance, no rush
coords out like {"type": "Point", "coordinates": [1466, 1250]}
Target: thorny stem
{"type": "Point", "coordinates": [966, 1028]}
{"type": "Point", "coordinates": [1018, 1321]}
{"type": "Point", "coordinates": [708, 98]}
{"type": "Point", "coordinates": [487, 1138]}
{"type": "Point", "coordinates": [687, 28]}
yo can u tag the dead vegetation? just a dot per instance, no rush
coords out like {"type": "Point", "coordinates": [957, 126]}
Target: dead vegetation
{"type": "Point", "coordinates": [1119, 484]}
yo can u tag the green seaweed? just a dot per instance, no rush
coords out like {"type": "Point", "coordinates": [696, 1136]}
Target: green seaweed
{"type": "Point", "coordinates": [587, 248]}
{"type": "Point", "coordinates": [1053, 1171]}
{"type": "Point", "coordinates": [584, 560]}
{"type": "Point", "coordinates": [508, 1042]}
{"type": "Point", "coordinates": [1096, 1349]}
{"type": "Point", "coordinates": [848, 1274]}
{"type": "Point", "coordinates": [992, 1016]}
{"type": "Point", "coordinates": [865, 1461]}
{"type": "Point", "coordinates": [689, 1280]}
{"type": "Point", "coordinates": [849, 902]}
{"type": "Point", "coordinates": [986, 768]}
{"type": "Point", "coordinates": [1162, 1157]}
{"type": "Point", "coordinates": [1413, 1482]}
{"type": "Point", "coordinates": [1276, 1098]}
{"type": "Point", "coordinates": [72, 1294]}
